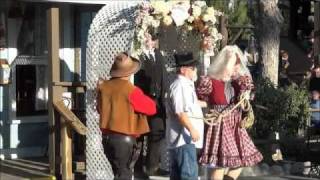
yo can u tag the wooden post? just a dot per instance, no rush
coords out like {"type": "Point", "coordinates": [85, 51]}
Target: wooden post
{"type": "Point", "coordinates": [316, 34]}
{"type": "Point", "coordinates": [66, 150]}
{"type": "Point", "coordinates": [54, 94]}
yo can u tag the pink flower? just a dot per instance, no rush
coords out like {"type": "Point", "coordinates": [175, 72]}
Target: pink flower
{"type": "Point", "coordinates": [138, 20]}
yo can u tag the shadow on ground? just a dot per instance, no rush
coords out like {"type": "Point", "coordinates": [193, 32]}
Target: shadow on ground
{"type": "Point", "coordinates": [24, 168]}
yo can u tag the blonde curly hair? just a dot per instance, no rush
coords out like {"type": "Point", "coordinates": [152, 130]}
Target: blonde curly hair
{"type": "Point", "coordinates": [223, 64]}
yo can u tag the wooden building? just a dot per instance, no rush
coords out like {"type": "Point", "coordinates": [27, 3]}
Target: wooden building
{"type": "Point", "coordinates": [24, 128]}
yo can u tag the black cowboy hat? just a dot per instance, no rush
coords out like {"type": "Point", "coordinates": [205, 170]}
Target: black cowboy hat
{"type": "Point", "coordinates": [185, 59]}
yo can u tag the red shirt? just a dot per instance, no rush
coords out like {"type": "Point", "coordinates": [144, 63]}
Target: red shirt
{"type": "Point", "coordinates": [213, 91]}
{"type": "Point", "coordinates": [142, 103]}
{"type": "Point", "coordinates": [217, 95]}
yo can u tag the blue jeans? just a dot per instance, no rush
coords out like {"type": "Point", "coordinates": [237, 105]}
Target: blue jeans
{"type": "Point", "coordinates": [183, 163]}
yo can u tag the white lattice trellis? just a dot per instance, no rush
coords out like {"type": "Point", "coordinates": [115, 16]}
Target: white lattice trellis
{"type": "Point", "coordinates": [111, 32]}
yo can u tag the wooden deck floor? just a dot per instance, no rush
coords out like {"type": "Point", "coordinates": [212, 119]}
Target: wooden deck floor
{"type": "Point", "coordinates": [18, 169]}
{"type": "Point", "coordinates": [37, 169]}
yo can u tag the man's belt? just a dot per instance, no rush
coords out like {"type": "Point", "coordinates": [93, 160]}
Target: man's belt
{"type": "Point", "coordinates": [123, 137]}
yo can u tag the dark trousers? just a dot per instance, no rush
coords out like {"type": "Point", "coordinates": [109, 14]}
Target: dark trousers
{"type": "Point", "coordinates": [153, 152]}
{"type": "Point", "coordinates": [149, 159]}
{"type": "Point", "coordinates": [119, 150]}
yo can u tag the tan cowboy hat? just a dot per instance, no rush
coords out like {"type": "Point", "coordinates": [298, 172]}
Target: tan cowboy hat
{"type": "Point", "coordinates": [124, 65]}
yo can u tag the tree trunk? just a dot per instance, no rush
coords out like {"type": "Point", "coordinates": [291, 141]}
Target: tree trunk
{"type": "Point", "coordinates": [224, 31]}
{"type": "Point", "coordinates": [268, 22]}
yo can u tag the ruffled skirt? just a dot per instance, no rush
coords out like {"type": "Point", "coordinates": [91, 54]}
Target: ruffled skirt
{"type": "Point", "coordinates": [227, 144]}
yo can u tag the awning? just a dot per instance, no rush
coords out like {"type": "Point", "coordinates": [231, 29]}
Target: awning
{"type": "Point", "coordinates": [71, 1]}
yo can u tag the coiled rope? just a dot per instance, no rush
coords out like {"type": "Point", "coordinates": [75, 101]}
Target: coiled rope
{"type": "Point", "coordinates": [215, 117]}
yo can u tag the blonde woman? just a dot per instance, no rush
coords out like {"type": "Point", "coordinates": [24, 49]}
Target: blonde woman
{"type": "Point", "coordinates": [227, 144]}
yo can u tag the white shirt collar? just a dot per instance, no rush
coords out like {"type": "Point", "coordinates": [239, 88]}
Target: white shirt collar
{"type": "Point", "coordinates": [185, 79]}
{"type": "Point", "coordinates": [149, 52]}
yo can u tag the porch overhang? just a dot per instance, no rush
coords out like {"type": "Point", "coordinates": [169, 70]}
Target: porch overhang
{"type": "Point", "coordinates": [71, 1]}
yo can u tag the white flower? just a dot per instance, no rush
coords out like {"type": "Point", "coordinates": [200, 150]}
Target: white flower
{"type": "Point", "coordinates": [213, 31]}
{"type": "Point", "coordinates": [155, 23]}
{"type": "Point", "coordinates": [191, 19]}
{"type": "Point", "coordinates": [206, 17]}
{"type": "Point", "coordinates": [171, 3]}
{"type": "Point", "coordinates": [140, 33]}
{"type": "Point", "coordinates": [160, 7]}
{"type": "Point", "coordinates": [215, 34]}
{"type": "Point", "coordinates": [167, 20]}
{"type": "Point", "coordinates": [144, 26]}
{"type": "Point", "coordinates": [218, 36]}
{"type": "Point", "coordinates": [209, 17]}
{"type": "Point", "coordinates": [179, 14]}
{"type": "Point", "coordinates": [218, 13]}
{"type": "Point", "coordinates": [148, 20]}
{"type": "Point", "coordinates": [200, 3]}
{"type": "Point", "coordinates": [189, 28]}
{"type": "Point", "coordinates": [196, 11]}
{"type": "Point", "coordinates": [213, 19]}
{"type": "Point", "coordinates": [210, 11]}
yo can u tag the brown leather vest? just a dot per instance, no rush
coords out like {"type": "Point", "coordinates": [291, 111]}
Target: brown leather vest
{"type": "Point", "coordinates": [116, 112]}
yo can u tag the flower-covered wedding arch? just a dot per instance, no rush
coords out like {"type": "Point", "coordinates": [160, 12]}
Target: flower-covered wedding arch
{"type": "Point", "coordinates": [195, 17]}
{"type": "Point", "coordinates": [126, 26]}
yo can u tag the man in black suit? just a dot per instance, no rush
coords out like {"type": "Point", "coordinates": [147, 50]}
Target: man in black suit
{"type": "Point", "coordinates": [152, 80]}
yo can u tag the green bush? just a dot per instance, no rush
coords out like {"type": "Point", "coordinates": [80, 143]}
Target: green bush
{"type": "Point", "coordinates": [287, 109]}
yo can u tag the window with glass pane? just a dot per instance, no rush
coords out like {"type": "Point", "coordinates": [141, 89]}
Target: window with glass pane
{"type": "Point", "coordinates": [31, 79]}
{"type": "Point", "coordinates": [32, 39]}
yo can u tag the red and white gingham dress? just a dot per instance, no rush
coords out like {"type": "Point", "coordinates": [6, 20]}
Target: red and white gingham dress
{"type": "Point", "coordinates": [226, 144]}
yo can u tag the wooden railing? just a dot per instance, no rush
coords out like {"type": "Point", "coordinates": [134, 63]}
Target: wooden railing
{"type": "Point", "coordinates": [68, 122]}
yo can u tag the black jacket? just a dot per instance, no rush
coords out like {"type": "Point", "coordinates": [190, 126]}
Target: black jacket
{"type": "Point", "coordinates": [152, 79]}
{"type": "Point", "coordinates": [314, 84]}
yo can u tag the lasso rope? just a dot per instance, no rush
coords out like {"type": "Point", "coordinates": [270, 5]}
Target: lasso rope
{"type": "Point", "coordinates": [215, 117]}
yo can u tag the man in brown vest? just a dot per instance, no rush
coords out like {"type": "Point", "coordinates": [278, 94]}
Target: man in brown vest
{"type": "Point", "coordinates": [123, 109]}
